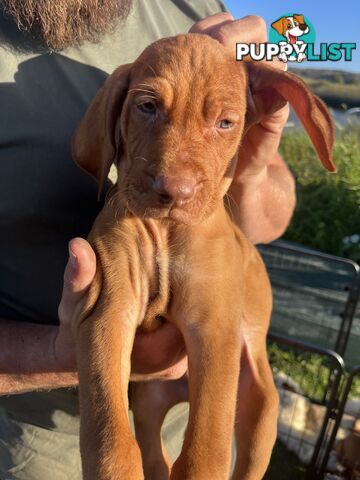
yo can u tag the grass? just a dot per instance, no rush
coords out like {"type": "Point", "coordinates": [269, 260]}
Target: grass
{"type": "Point", "coordinates": [328, 210]}
{"type": "Point", "coordinates": [328, 205]}
{"type": "Point", "coordinates": [309, 370]}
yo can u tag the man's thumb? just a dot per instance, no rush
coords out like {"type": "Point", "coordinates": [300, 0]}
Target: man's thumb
{"type": "Point", "coordinates": [79, 273]}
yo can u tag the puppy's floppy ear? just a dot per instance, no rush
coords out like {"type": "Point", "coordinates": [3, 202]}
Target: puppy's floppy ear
{"type": "Point", "coordinates": [94, 144]}
{"type": "Point", "coordinates": [299, 18]}
{"type": "Point", "coordinates": [280, 25]}
{"type": "Point", "coordinates": [275, 88]}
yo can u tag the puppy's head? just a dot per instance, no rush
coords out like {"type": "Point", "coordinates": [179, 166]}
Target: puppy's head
{"type": "Point", "coordinates": [181, 109]}
{"type": "Point", "coordinates": [291, 27]}
{"type": "Point", "coordinates": [173, 122]}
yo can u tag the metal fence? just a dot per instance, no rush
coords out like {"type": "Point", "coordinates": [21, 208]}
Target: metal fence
{"type": "Point", "coordinates": [315, 297]}
{"type": "Point", "coordinates": [352, 351]}
{"type": "Point", "coordinates": [343, 449]}
{"type": "Point", "coordinates": [314, 325]}
{"type": "Point", "coordinates": [308, 379]}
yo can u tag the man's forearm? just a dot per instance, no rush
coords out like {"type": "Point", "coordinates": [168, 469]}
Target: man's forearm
{"type": "Point", "coordinates": [27, 360]}
{"type": "Point", "coordinates": [263, 205]}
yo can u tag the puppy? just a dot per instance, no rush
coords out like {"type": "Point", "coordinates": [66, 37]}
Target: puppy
{"type": "Point", "coordinates": [168, 251]}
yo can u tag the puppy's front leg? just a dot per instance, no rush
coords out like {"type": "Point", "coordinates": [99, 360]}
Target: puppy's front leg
{"type": "Point", "coordinates": [213, 345]}
{"type": "Point", "coordinates": [257, 404]}
{"type": "Point", "coordinates": [104, 343]}
{"type": "Point", "coordinates": [256, 415]}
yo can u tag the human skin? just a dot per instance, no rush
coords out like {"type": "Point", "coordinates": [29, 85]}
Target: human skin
{"type": "Point", "coordinates": [34, 357]}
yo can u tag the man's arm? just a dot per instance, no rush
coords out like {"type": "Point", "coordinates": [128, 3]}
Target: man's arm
{"type": "Point", "coordinates": [263, 189]}
{"type": "Point", "coordinates": [263, 206]}
{"type": "Point", "coordinates": [27, 360]}
{"type": "Point", "coordinates": [38, 357]}
{"type": "Point", "coordinates": [42, 357]}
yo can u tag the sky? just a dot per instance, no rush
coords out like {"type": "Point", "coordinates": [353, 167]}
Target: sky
{"type": "Point", "coordinates": [332, 22]}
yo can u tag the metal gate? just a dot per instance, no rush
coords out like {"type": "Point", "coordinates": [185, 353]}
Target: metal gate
{"type": "Point", "coordinates": [315, 301]}
{"type": "Point", "coordinates": [308, 379]}
{"type": "Point", "coordinates": [348, 448]}
{"type": "Point", "coordinates": [315, 297]}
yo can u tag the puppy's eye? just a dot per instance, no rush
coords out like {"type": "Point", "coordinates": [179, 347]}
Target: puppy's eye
{"type": "Point", "coordinates": [224, 124]}
{"type": "Point", "coordinates": [296, 23]}
{"type": "Point", "coordinates": [289, 25]}
{"type": "Point", "coordinates": [147, 107]}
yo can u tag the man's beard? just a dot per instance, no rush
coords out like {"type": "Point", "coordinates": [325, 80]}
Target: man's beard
{"type": "Point", "coordinates": [66, 22]}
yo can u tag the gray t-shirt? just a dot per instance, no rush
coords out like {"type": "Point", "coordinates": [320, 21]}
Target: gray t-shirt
{"type": "Point", "coordinates": [45, 200]}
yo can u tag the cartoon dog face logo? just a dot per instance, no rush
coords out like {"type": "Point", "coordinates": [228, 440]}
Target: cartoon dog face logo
{"type": "Point", "coordinates": [291, 27]}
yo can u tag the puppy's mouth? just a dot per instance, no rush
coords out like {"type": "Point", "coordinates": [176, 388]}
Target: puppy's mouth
{"type": "Point", "coordinates": [178, 214]}
{"type": "Point", "coordinates": [146, 205]}
{"type": "Point", "coordinates": [292, 38]}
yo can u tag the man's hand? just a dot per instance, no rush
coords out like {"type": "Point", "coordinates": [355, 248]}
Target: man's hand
{"type": "Point", "coordinates": [156, 355]}
{"type": "Point", "coordinates": [42, 357]}
{"type": "Point", "coordinates": [261, 179]}
{"type": "Point", "coordinates": [79, 273]}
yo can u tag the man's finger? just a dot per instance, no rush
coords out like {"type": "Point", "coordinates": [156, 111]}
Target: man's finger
{"type": "Point", "coordinates": [222, 27]}
{"type": "Point", "coordinates": [251, 29]}
{"type": "Point", "coordinates": [213, 20]}
{"type": "Point", "coordinates": [79, 273]}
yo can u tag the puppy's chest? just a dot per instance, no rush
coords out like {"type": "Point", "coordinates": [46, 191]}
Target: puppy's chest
{"type": "Point", "coordinates": [166, 266]}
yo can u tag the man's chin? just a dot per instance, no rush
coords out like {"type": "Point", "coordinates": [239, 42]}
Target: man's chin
{"type": "Point", "coordinates": [72, 22]}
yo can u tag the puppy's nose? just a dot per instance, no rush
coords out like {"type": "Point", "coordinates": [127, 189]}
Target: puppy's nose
{"type": "Point", "coordinates": [178, 189]}
{"type": "Point", "coordinates": [303, 26]}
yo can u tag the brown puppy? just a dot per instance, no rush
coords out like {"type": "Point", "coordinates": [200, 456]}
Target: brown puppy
{"type": "Point", "coordinates": [167, 250]}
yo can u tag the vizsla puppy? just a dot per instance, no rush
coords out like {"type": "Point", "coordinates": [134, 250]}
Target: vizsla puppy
{"type": "Point", "coordinates": [168, 251]}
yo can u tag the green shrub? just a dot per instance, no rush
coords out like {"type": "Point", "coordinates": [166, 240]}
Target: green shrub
{"type": "Point", "coordinates": [328, 205]}
{"type": "Point", "coordinates": [309, 370]}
